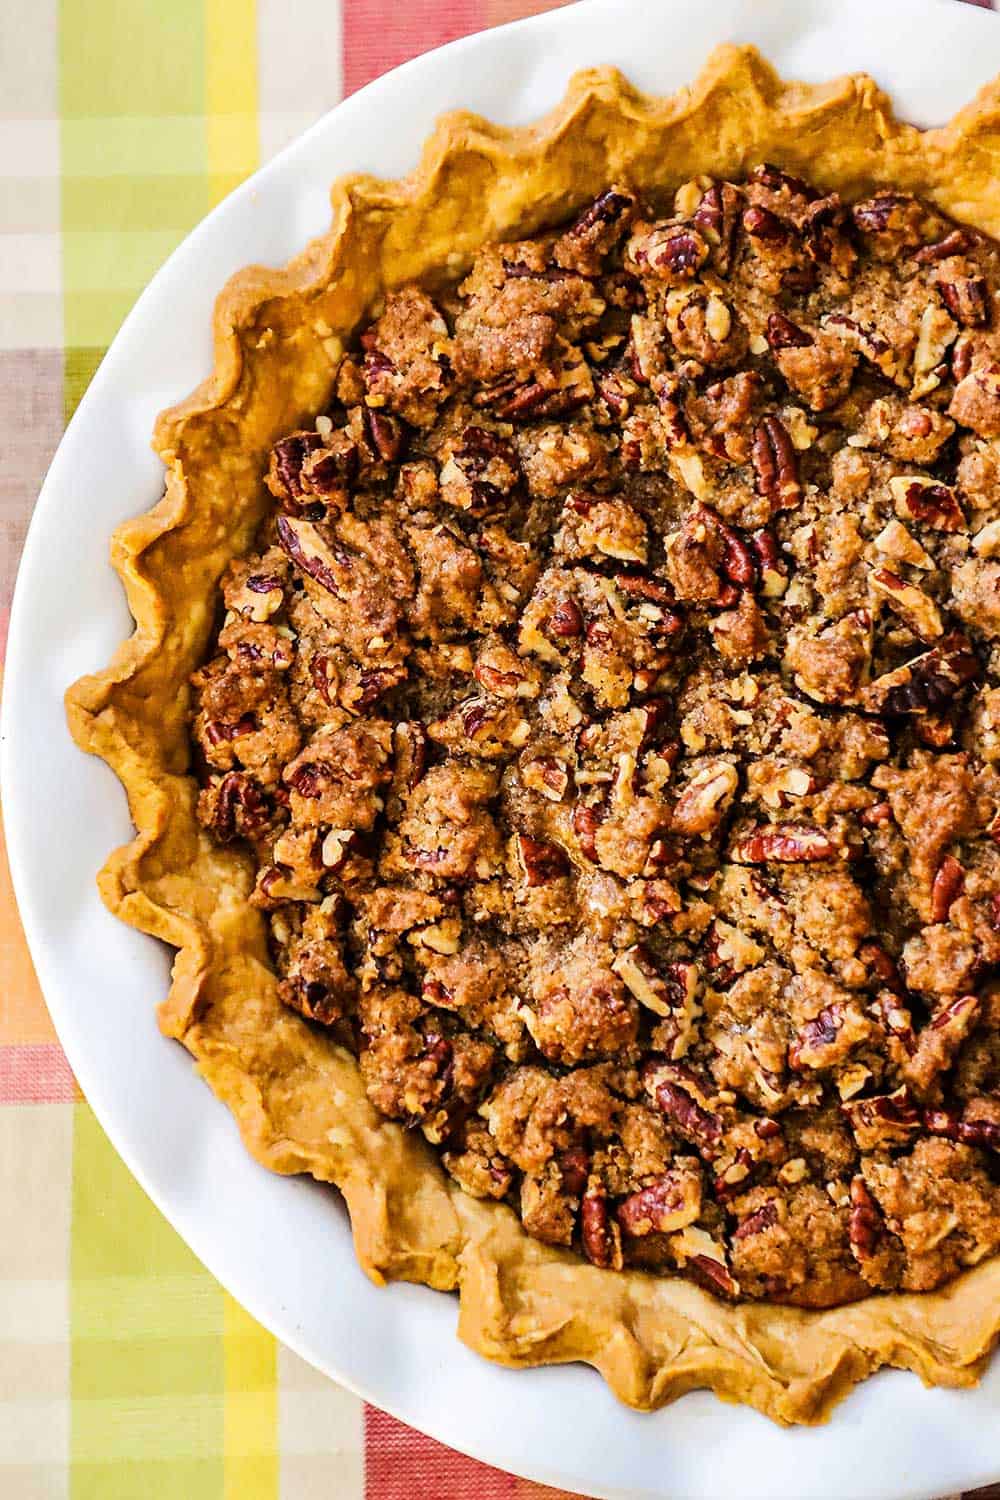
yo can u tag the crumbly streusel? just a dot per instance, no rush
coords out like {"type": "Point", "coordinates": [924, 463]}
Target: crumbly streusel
{"type": "Point", "coordinates": [612, 709]}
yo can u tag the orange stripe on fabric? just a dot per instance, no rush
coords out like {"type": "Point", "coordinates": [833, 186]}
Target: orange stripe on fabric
{"type": "Point", "coordinates": [24, 1019]}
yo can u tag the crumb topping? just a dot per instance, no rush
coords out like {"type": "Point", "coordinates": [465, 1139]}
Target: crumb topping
{"type": "Point", "coordinates": [611, 706]}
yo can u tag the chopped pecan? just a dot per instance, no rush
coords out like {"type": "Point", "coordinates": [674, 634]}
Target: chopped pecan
{"type": "Point", "coordinates": [927, 502]}
{"type": "Point", "coordinates": [542, 863]}
{"type": "Point", "coordinates": [240, 807]}
{"type": "Point", "coordinates": [284, 477]}
{"type": "Point", "coordinates": [669, 1203]}
{"type": "Point", "coordinates": [307, 548]}
{"type": "Point", "coordinates": [678, 1092]}
{"type": "Point", "coordinates": [883, 1120]}
{"type": "Point", "coordinates": [967, 299]}
{"type": "Point", "coordinates": [703, 802]}
{"type": "Point", "coordinates": [755, 1223]}
{"type": "Point", "coordinates": [586, 821]}
{"type": "Point", "coordinates": [761, 224]}
{"type": "Point", "coordinates": [927, 683]}
{"type": "Point", "coordinates": [782, 333]}
{"type": "Point", "coordinates": [915, 608]}
{"type": "Point", "coordinates": [939, 1041]}
{"type": "Point", "coordinates": [669, 992]}
{"type": "Point", "coordinates": [826, 1039]}
{"type": "Point", "coordinates": [565, 622]}
{"type": "Point", "coordinates": [597, 230]}
{"type": "Point", "coordinates": [779, 181]}
{"type": "Point", "coordinates": [671, 252]}
{"type": "Point", "coordinates": [865, 1224]}
{"type": "Point", "coordinates": [955, 243]}
{"type": "Point", "coordinates": [968, 1127]}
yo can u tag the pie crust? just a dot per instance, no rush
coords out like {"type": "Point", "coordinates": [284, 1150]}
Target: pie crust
{"type": "Point", "coordinates": [298, 1097]}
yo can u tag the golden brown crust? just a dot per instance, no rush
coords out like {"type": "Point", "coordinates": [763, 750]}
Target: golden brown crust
{"type": "Point", "coordinates": [298, 1097]}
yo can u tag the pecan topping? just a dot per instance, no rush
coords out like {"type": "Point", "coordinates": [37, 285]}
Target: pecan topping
{"type": "Point", "coordinates": [606, 709]}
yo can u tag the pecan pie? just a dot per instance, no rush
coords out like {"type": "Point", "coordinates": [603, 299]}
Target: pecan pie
{"type": "Point", "coordinates": [564, 733]}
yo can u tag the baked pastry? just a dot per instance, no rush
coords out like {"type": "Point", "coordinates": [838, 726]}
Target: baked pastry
{"type": "Point", "coordinates": [580, 834]}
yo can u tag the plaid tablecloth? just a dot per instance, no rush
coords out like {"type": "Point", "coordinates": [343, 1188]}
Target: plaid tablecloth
{"type": "Point", "coordinates": [125, 1370]}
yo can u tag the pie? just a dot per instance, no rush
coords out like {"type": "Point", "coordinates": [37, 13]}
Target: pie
{"type": "Point", "coordinates": [563, 731]}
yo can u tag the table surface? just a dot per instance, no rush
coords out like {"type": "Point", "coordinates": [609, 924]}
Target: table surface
{"type": "Point", "coordinates": [125, 1369]}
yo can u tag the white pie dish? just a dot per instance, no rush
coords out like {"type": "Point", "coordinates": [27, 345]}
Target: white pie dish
{"type": "Point", "coordinates": [282, 1247]}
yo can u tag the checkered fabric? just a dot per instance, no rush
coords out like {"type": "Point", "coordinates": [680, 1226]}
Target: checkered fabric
{"type": "Point", "coordinates": [125, 1370]}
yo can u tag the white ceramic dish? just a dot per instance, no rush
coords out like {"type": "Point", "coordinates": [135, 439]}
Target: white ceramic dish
{"type": "Point", "coordinates": [282, 1246]}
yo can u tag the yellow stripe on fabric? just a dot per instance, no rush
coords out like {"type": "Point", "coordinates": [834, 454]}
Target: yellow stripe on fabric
{"type": "Point", "coordinates": [147, 1385]}
{"type": "Point", "coordinates": [232, 142]}
{"type": "Point", "coordinates": [231, 131]}
{"type": "Point", "coordinates": [250, 1422]}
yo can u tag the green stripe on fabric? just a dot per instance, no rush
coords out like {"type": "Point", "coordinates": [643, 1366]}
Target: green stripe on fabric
{"type": "Point", "coordinates": [148, 1403]}
{"type": "Point", "coordinates": [129, 70]}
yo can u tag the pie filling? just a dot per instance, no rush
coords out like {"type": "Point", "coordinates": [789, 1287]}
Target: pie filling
{"type": "Point", "coordinates": [611, 710]}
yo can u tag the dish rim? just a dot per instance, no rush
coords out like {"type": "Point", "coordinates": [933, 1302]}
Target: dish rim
{"type": "Point", "coordinates": [20, 857]}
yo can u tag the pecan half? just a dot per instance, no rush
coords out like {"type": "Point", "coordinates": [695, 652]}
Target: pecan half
{"type": "Point", "coordinates": [601, 1236]}
{"type": "Point", "coordinates": [775, 464]}
{"type": "Point", "coordinates": [386, 433]}
{"type": "Point", "coordinates": [717, 219]}
{"type": "Point", "coordinates": [947, 886]}
{"type": "Point", "coordinates": [785, 843]}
